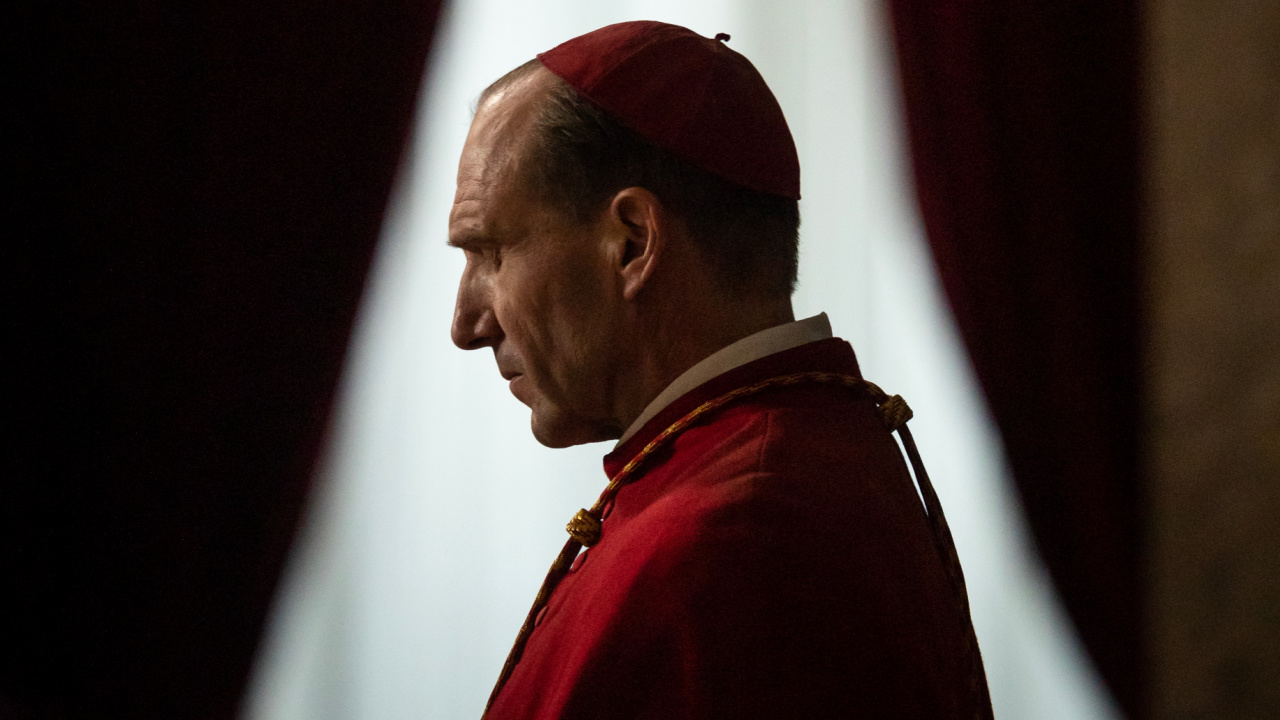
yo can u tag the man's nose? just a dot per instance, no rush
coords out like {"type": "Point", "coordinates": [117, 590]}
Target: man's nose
{"type": "Point", "coordinates": [474, 324]}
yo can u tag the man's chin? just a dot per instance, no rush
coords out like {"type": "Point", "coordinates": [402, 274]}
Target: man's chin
{"type": "Point", "coordinates": [561, 432]}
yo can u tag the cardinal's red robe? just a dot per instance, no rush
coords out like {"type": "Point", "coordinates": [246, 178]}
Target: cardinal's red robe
{"type": "Point", "coordinates": [773, 562]}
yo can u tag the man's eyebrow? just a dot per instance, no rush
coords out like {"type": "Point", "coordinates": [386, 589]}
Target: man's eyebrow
{"type": "Point", "coordinates": [467, 242]}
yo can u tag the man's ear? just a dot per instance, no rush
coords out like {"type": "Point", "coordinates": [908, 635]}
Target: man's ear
{"type": "Point", "coordinates": [644, 225]}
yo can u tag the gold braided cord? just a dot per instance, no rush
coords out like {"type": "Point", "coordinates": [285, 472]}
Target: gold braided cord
{"type": "Point", "coordinates": [946, 547]}
{"type": "Point", "coordinates": [895, 413]}
{"type": "Point", "coordinates": [586, 526]}
{"type": "Point", "coordinates": [679, 426]}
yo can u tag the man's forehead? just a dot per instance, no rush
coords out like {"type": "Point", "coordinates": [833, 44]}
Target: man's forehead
{"type": "Point", "coordinates": [499, 129]}
{"type": "Point", "coordinates": [509, 109]}
{"type": "Point", "coordinates": [486, 201]}
{"type": "Point", "coordinates": [472, 217]}
{"type": "Point", "coordinates": [488, 187]}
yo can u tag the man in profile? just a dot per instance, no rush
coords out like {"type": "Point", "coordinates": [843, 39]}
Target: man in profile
{"type": "Point", "coordinates": [627, 205]}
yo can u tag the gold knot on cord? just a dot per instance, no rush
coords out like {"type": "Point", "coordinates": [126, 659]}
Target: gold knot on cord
{"type": "Point", "coordinates": [584, 528]}
{"type": "Point", "coordinates": [894, 412]}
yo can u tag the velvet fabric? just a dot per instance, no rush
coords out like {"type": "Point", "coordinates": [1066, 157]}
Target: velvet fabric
{"type": "Point", "coordinates": [692, 96]}
{"type": "Point", "coordinates": [202, 185]}
{"type": "Point", "coordinates": [1023, 123]}
{"type": "Point", "coordinates": [772, 562]}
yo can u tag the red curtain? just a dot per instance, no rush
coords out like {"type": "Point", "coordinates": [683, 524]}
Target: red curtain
{"type": "Point", "coordinates": [199, 190]}
{"type": "Point", "coordinates": [1022, 118]}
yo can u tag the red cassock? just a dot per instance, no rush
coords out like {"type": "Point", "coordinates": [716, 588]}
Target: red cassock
{"type": "Point", "coordinates": [774, 561]}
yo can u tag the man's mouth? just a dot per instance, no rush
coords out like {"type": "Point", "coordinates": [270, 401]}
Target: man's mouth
{"type": "Point", "coordinates": [515, 386]}
{"type": "Point", "coordinates": [513, 379]}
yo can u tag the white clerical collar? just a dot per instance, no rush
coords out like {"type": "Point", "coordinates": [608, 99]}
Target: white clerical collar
{"type": "Point", "coordinates": [748, 349]}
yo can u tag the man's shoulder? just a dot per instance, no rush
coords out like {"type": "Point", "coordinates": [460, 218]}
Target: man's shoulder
{"type": "Point", "coordinates": [778, 465]}
{"type": "Point", "coordinates": [786, 441]}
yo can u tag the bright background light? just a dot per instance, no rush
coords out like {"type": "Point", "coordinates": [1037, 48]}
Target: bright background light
{"type": "Point", "coordinates": [436, 514]}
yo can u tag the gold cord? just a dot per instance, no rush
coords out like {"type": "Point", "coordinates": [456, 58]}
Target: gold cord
{"type": "Point", "coordinates": [586, 526]}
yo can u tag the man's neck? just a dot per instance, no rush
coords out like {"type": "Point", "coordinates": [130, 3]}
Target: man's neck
{"type": "Point", "coordinates": [662, 351]}
{"type": "Point", "coordinates": [750, 348]}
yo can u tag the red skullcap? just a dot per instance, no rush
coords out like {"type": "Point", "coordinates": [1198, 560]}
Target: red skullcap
{"type": "Point", "coordinates": [689, 95]}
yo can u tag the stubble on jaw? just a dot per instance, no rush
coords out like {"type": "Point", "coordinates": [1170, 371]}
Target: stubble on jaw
{"type": "Point", "coordinates": [553, 307]}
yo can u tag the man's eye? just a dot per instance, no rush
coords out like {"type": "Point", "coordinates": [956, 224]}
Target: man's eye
{"type": "Point", "coordinates": [484, 255]}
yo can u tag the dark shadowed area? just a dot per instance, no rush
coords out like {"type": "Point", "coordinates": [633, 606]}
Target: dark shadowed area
{"type": "Point", "coordinates": [1023, 122]}
{"type": "Point", "coordinates": [199, 190]}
